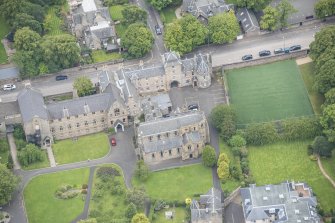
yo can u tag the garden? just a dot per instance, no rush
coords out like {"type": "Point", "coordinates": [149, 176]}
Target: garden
{"type": "Point", "coordinates": [101, 56]}
{"type": "Point", "coordinates": [268, 92]}
{"type": "Point", "coordinates": [168, 14]}
{"type": "Point", "coordinates": [43, 200]}
{"type": "Point", "coordinates": [82, 148]}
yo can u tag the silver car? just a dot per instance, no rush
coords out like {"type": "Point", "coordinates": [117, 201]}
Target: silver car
{"type": "Point", "coordinates": [9, 87]}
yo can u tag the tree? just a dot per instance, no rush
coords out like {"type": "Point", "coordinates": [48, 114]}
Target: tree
{"type": "Point", "coordinates": [136, 196]}
{"type": "Point", "coordinates": [8, 183]}
{"type": "Point", "coordinates": [90, 220]}
{"type": "Point", "coordinates": [27, 63]}
{"type": "Point", "coordinates": [237, 141]}
{"type": "Point", "coordinates": [114, 2]}
{"type": "Point", "coordinates": [260, 134]}
{"type": "Point", "coordinates": [322, 146]}
{"type": "Point", "coordinates": [270, 18]}
{"type": "Point", "coordinates": [30, 154]}
{"type": "Point", "coordinates": [132, 14]}
{"type": "Point", "coordinates": [327, 121]}
{"type": "Point", "coordinates": [223, 27]}
{"type": "Point", "coordinates": [209, 156]}
{"type": "Point", "coordinates": [140, 218]}
{"type": "Point", "coordinates": [184, 34]}
{"type": "Point", "coordinates": [324, 8]}
{"type": "Point", "coordinates": [26, 39]}
{"type": "Point", "coordinates": [24, 20]}
{"type": "Point", "coordinates": [300, 129]}
{"type": "Point", "coordinates": [219, 113]}
{"type": "Point", "coordinates": [130, 211]}
{"type": "Point", "coordinates": [257, 5]}
{"type": "Point", "coordinates": [9, 9]}
{"type": "Point", "coordinates": [138, 40]}
{"type": "Point", "coordinates": [223, 171]}
{"type": "Point", "coordinates": [324, 41]}
{"type": "Point", "coordinates": [285, 9]}
{"type": "Point", "coordinates": [83, 85]}
{"type": "Point", "coordinates": [160, 4]}
{"type": "Point", "coordinates": [142, 170]}
{"type": "Point", "coordinates": [325, 78]}
{"type": "Point", "coordinates": [223, 158]}
{"type": "Point", "coordinates": [330, 97]}
{"type": "Point", "coordinates": [228, 127]}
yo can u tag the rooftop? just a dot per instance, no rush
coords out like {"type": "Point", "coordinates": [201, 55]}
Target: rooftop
{"type": "Point", "coordinates": [89, 5]}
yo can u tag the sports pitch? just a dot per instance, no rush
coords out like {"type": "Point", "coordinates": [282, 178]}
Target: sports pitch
{"type": "Point", "coordinates": [268, 92]}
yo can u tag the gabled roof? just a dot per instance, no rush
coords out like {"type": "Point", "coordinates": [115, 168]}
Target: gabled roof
{"type": "Point", "coordinates": [192, 137]}
{"type": "Point", "coordinates": [31, 105]}
{"type": "Point", "coordinates": [171, 58]}
{"type": "Point", "coordinates": [145, 72]}
{"type": "Point", "coordinates": [247, 19]}
{"type": "Point", "coordinates": [162, 145]}
{"type": "Point", "coordinates": [89, 5]}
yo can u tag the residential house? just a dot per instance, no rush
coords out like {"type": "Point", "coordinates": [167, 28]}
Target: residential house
{"type": "Point", "coordinates": [248, 21]}
{"type": "Point", "coordinates": [208, 208]}
{"type": "Point", "coordinates": [288, 202]}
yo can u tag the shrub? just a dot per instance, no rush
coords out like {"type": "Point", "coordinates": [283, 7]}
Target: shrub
{"type": "Point", "coordinates": [322, 146]}
{"type": "Point", "coordinates": [30, 154]}
{"type": "Point", "coordinates": [19, 132]}
{"type": "Point", "coordinates": [235, 172]}
{"type": "Point", "coordinates": [117, 190]}
{"type": "Point", "coordinates": [4, 145]}
{"type": "Point", "coordinates": [237, 141]}
{"type": "Point", "coordinates": [209, 156]}
{"type": "Point", "coordinates": [95, 213]}
{"type": "Point", "coordinates": [243, 152]}
{"type": "Point", "coordinates": [300, 129]}
{"type": "Point", "coordinates": [20, 143]}
{"type": "Point", "coordinates": [84, 191]}
{"type": "Point", "coordinates": [236, 151]}
{"type": "Point", "coordinates": [261, 134]}
{"type": "Point", "coordinates": [310, 150]}
{"type": "Point", "coordinates": [105, 173]}
{"type": "Point", "coordinates": [84, 186]}
{"type": "Point", "coordinates": [136, 196]}
{"type": "Point", "coordinates": [313, 158]}
{"type": "Point", "coordinates": [142, 170]}
{"type": "Point", "coordinates": [130, 211]}
{"type": "Point", "coordinates": [159, 205]}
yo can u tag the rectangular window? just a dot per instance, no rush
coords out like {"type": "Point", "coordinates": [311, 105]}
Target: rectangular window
{"type": "Point", "coordinates": [170, 152]}
{"type": "Point", "coordinates": [178, 150]}
{"type": "Point", "coordinates": [61, 128]}
{"type": "Point", "coordinates": [68, 117]}
{"type": "Point", "coordinates": [78, 124]}
{"type": "Point", "coordinates": [159, 136]}
{"type": "Point", "coordinates": [162, 154]}
{"type": "Point", "coordinates": [93, 113]}
{"type": "Point", "coordinates": [153, 155]}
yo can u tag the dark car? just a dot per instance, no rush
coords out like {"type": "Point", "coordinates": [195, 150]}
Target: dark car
{"type": "Point", "coordinates": [295, 47]}
{"type": "Point", "coordinates": [113, 141]}
{"type": "Point", "coordinates": [247, 57]}
{"type": "Point", "coordinates": [264, 53]}
{"type": "Point", "coordinates": [158, 30]}
{"type": "Point", "coordinates": [193, 107]}
{"type": "Point", "coordinates": [61, 77]}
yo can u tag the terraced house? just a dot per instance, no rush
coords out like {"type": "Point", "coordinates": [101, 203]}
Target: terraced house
{"type": "Point", "coordinates": [179, 136]}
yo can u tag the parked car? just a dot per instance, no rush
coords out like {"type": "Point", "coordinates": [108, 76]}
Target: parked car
{"type": "Point", "coordinates": [264, 53]}
{"type": "Point", "coordinates": [193, 107]}
{"type": "Point", "coordinates": [247, 57]}
{"type": "Point", "coordinates": [61, 77]}
{"type": "Point", "coordinates": [278, 51]}
{"type": "Point", "coordinates": [295, 47]}
{"type": "Point", "coordinates": [9, 87]}
{"type": "Point", "coordinates": [158, 30]}
{"type": "Point", "coordinates": [113, 141]}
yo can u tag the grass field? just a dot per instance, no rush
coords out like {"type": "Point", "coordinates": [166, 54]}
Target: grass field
{"type": "Point", "coordinates": [276, 163]}
{"type": "Point", "coordinates": [109, 202]}
{"type": "Point", "coordinates": [86, 147]}
{"type": "Point", "coordinates": [116, 12]}
{"type": "Point", "coordinates": [329, 165]}
{"type": "Point", "coordinates": [4, 30]}
{"type": "Point", "coordinates": [102, 56]}
{"type": "Point", "coordinates": [39, 165]}
{"type": "Point", "coordinates": [168, 15]}
{"type": "Point", "coordinates": [178, 183]}
{"type": "Point", "coordinates": [307, 73]}
{"type": "Point", "coordinates": [52, 23]}
{"type": "Point", "coordinates": [268, 92]}
{"type": "Point", "coordinates": [179, 216]}
{"type": "Point", "coordinates": [42, 205]}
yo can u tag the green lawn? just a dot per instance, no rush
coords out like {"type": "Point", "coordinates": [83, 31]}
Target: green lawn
{"type": "Point", "coordinates": [86, 147]}
{"type": "Point", "coordinates": [115, 12]}
{"type": "Point", "coordinates": [179, 215]}
{"type": "Point", "coordinates": [42, 205]}
{"type": "Point", "coordinates": [268, 92]}
{"type": "Point", "coordinates": [39, 165]}
{"type": "Point", "coordinates": [102, 56]}
{"type": "Point", "coordinates": [4, 30]}
{"type": "Point", "coordinates": [168, 15]}
{"type": "Point", "coordinates": [52, 23]}
{"type": "Point", "coordinates": [120, 29]}
{"type": "Point", "coordinates": [4, 154]}
{"type": "Point", "coordinates": [329, 165]}
{"type": "Point", "coordinates": [307, 73]}
{"type": "Point", "coordinates": [273, 164]}
{"type": "Point", "coordinates": [109, 202]}
{"type": "Point", "coordinates": [178, 183]}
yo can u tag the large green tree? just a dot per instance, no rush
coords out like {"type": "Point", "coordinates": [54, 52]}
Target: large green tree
{"type": "Point", "coordinates": [325, 78]}
{"type": "Point", "coordinates": [26, 39]}
{"type": "Point", "coordinates": [270, 18]}
{"type": "Point", "coordinates": [261, 134]}
{"type": "Point", "coordinates": [327, 121]}
{"type": "Point", "coordinates": [324, 8]}
{"type": "Point", "coordinates": [140, 218]}
{"type": "Point", "coordinates": [8, 183]}
{"type": "Point", "coordinates": [136, 196]}
{"type": "Point", "coordinates": [24, 20]}
{"type": "Point", "coordinates": [161, 4]}
{"type": "Point", "coordinates": [223, 27]}
{"type": "Point", "coordinates": [219, 113]}
{"type": "Point", "coordinates": [9, 9]}
{"type": "Point", "coordinates": [184, 34]}
{"type": "Point", "coordinates": [252, 4]}
{"type": "Point", "coordinates": [322, 146]}
{"type": "Point", "coordinates": [30, 154]}
{"type": "Point", "coordinates": [83, 85]}
{"type": "Point", "coordinates": [132, 14]}
{"type": "Point", "coordinates": [285, 9]}
{"type": "Point", "coordinates": [324, 42]}
{"type": "Point", "coordinates": [209, 156]}
{"type": "Point", "coordinates": [330, 97]}
{"type": "Point", "coordinates": [138, 40]}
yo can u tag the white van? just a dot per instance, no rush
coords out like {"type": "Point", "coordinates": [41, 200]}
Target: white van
{"type": "Point", "coordinates": [9, 87]}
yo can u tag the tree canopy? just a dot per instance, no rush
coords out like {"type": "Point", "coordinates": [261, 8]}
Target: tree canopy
{"type": "Point", "coordinates": [324, 8]}
{"type": "Point", "coordinates": [257, 5]}
{"type": "Point", "coordinates": [26, 39]}
{"type": "Point", "coordinates": [322, 146]}
{"type": "Point", "coordinates": [130, 211]}
{"type": "Point", "coordinates": [223, 27]}
{"type": "Point", "coordinates": [209, 156]}
{"type": "Point", "coordinates": [330, 97]}
{"type": "Point", "coordinates": [140, 218]}
{"type": "Point", "coordinates": [132, 14]}
{"type": "Point", "coordinates": [83, 85]}
{"type": "Point", "coordinates": [270, 18]}
{"type": "Point", "coordinates": [142, 170]}
{"type": "Point", "coordinates": [161, 4]}
{"type": "Point", "coordinates": [327, 121]}
{"type": "Point", "coordinates": [8, 183]}
{"type": "Point", "coordinates": [30, 154]}
{"type": "Point", "coordinates": [285, 9]}
{"type": "Point", "coordinates": [223, 117]}
{"type": "Point", "coordinates": [137, 39]}
{"type": "Point", "coordinates": [223, 166]}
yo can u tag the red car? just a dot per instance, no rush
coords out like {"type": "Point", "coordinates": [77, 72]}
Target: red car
{"type": "Point", "coordinates": [113, 141]}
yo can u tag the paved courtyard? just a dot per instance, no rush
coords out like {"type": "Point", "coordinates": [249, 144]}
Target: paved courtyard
{"type": "Point", "coordinates": [206, 99]}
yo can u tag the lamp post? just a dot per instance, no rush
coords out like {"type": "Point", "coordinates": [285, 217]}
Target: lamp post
{"type": "Point", "coordinates": [284, 42]}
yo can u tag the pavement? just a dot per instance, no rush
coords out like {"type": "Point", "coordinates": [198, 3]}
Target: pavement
{"type": "Point", "coordinates": [13, 151]}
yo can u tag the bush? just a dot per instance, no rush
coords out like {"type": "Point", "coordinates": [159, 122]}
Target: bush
{"type": "Point", "coordinates": [237, 141]}
{"type": "Point", "coordinates": [84, 186]}
{"type": "Point", "coordinates": [313, 158]}
{"type": "Point", "coordinates": [310, 150]}
{"type": "Point", "coordinates": [236, 151]}
{"type": "Point", "coordinates": [30, 154]}
{"type": "Point", "coordinates": [83, 191]}
{"type": "Point", "coordinates": [20, 143]}
{"type": "Point", "coordinates": [19, 132]}
{"type": "Point", "coordinates": [159, 205]}
{"type": "Point", "coordinates": [209, 156]}
{"type": "Point", "coordinates": [235, 172]}
{"type": "Point", "coordinates": [130, 211]}
{"type": "Point", "coordinates": [300, 129]}
{"type": "Point", "coordinates": [117, 190]}
{"type": "Point", "coordinates": [136, 196]}
{"type": "Point", "coordinates": [4, 145]}
{"type": "Point", "coordinates": [142, 170]}
{"type": "Point", "coordinates": [243, 152]}
{"type": "Point", "coordinates": [322, 146]}
{"type": "Point", "coordinates": [95, 213]}
{"type": "Point", "coordinates": [105, 173]}
{"type": "Point", "coordinates": [261, 134]}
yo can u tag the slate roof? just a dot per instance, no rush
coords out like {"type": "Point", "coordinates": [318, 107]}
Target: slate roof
{"type": "Point", "coordinates": [145, 72]}
{"type": "Point", "coordinates": [31, 105]}
{"type": "Point", "coordinates": [201, 64]}
{"type": "Point", "coordinates": [171, 58]}
{"type": "Point", "coordinates": [192, 137]}
{"type": "Point", "coordinates": [205, 8]}
{"type": "Point", "coordinates": [169, 124]}
{"type": "Point", "coordinates": [89, 5]}
{"type": "Point", "coordinates": [280, 200]}
{"type": "Point", "coordinates": [103, 30]}
{"type": "Point", "coordinates": [162, 145]}
{"type": "Point", "coordinates": [248, 20]}
{"type": "Point", "coordinates": [9, 73]}
{"type": "Point", "coordinates": [82, 105]}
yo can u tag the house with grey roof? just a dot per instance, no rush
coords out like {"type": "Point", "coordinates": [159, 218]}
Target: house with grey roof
{"type": "Point", "coordinates": [178, 136]}
{"type": "Point", "coordinates": [248, 21]}
{"type": "Point", "coordinates": [289, 202]}
{"type": "Point", "coordinates": [92, 25]}
{"type": "Point", "coordinates": [208, 208]}
{"type": "Point", "coordinates": [203, 9]}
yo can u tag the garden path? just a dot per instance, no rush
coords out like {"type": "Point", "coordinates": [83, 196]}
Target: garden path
{"type": "Point", "coordinates": [325, 174]}
{"type": "Point", "coordinates": [13, 151]}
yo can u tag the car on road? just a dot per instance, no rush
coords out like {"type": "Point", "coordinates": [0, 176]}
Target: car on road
{"type": "Point", "coordinates": [158, 30]}
{"type": "Point", "coordinates": [247, 57]}
{"type": "Point", "coordinates": [61, 77]}
{"type": "Point", "coordinates": [113, 141]}
{"type": "Point", "coordinates": [264, 53]}
{"type": "Point", "coordinates": [295, 47]}
{"type": "Point", "coordinates": [193, 107]}
{"type": "Point", "coordinates": [9, 87]}
{"type": "Point", "coordinates": [278, 51]}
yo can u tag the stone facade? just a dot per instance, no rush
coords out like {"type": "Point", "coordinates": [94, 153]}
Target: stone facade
{"type": "Point", "coordinates": [178, 136]}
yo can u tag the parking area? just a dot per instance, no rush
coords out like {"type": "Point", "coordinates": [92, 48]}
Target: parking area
{"type": "Point", "coordinates": [233, 213]}
{"type": "Point", "coordinates": [206, 99]}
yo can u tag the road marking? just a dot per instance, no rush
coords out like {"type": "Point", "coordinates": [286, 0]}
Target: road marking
{"type": "Point", "coordinates": [232, 216]}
